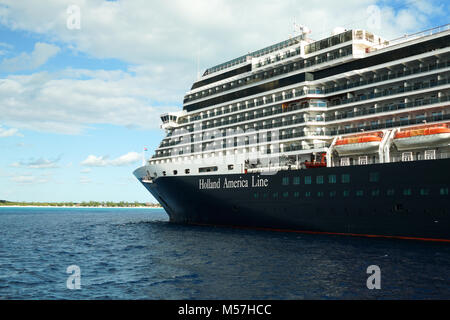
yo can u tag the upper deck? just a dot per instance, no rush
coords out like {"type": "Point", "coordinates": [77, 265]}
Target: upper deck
{"type": "Point", "coordinates": [308, 61]}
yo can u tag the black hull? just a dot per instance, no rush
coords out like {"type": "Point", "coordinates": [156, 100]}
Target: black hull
{"type": "Point", "coordinates": [407, 199]}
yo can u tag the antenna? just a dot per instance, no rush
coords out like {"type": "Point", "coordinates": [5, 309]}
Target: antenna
{"type": "Point", "coordinates": [300, 29]}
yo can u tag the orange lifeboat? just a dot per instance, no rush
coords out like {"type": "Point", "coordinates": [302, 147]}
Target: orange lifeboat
{"type": "Point", "coordinates": [368, 138]}
{"type": "Point", "coordinates": [359, 143]}
{"type": "Point", "coordinates": [421, 137]}
{"type": "Point", "coordinates": [317, 164]}
{"type": "Point", "coordinates": [422, 131]}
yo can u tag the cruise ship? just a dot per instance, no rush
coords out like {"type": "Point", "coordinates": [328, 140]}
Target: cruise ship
{"type": "Point", "coordinates": [347, 135]}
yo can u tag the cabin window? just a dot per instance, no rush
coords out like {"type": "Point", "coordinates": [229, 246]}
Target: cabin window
{"type": "Point", "coordinates": [256, 195]}
{"type": "Point", "coordinates": [230, 167]}
{"type": "Point", "coordinates": [332, 194]}
{"type": "Point", "coordinates": [308, 194]}
{"type": "Point", "coordinates": [296, 194]}
{"type": "Point", "coordinates": [406, 192]}
{"type": "Point", "coordinates": [390, 192]}
{"type": "Point", "coordinates": [285, 181]}
{"type": "Point", "coordinates": [424, 192]}
{"type": "Point", "coordinates": [332, 178]}
{"type": "Point", "coordinates": [345, 178]}
{"type": "Point", "coordinates": [437, 116]}
{"type": "Point", "coordinates": [420, 118]}
{"type": "Point", "coordinates": [374, 177]}
{"type": "Point", "coordinates": [285, 194]}
{"type": "Point", "coordinates": [346, 193]}
{"type": "Point", "coordinates": [359, 193]}
{"type": "Point", "coordinates": [308, 180]}
{"type": "Point", "coordinates": [296, 181]}
{"type": "Point", "coordinates": [320, 194]}
{"type": "Point", "coordinates": [375, 193]}
{"type": "Point", "coordinates": [319, 179]}
{"type": "Point", "coordinates": [275, 195]}
{"type": "Point", "coordinates": [444, 191]}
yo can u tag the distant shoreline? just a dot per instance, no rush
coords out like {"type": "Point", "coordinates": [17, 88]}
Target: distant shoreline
{"type": "Point", "coordinates": [80, 207]}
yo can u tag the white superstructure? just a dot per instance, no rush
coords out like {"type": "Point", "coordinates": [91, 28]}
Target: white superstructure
{"type": "Point", "coordinates": [350, 99]}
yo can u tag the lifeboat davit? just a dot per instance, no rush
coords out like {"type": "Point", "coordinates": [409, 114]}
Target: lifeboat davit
{"type": "Point", "coordinates": [364, 143]}
{"type": "Point", "coordinates": [422, 137]}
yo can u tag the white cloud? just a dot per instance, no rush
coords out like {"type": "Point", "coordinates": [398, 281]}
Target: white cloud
{"type": "Point", "coordinates": [85, 180]}
{"type": "Point", "coordinates": [28, 179]}
{"type": "Point", "coordinates": [4, 133]}
{"type": "Point", "coordinates": [103, 161]}
{"type": "Point", "coordinates": [57, 103]}
{"type": "Point", "coordinates": [40, 163]}
{"type": "Point", "coordinates": [126, 159]}
{"type": "Point", "coordinates": [5, 48]}
{"type": "Point", "coordinates": [23, 179]}
{"type": "Point", "coordinates": [29, 61]}
{"type": "Point", "coordinates": [6, 45]}
{"type": "Point", "coordinates": [94, 161]}
{"type": "Point", "coordinates": [143, 31]}
{"type": "Point", "coordinates": [161, 40]}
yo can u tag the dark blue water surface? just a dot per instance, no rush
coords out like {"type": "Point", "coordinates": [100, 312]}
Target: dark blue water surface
{"type": "Point", "coordinates": [138, 254]}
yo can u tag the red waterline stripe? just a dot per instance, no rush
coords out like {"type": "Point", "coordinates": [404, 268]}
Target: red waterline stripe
{"type": "Point", "coordinates": [327, 233]}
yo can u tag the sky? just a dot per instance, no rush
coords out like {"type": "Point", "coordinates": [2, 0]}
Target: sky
{"type": "Point", "coordinates": [83, 82]}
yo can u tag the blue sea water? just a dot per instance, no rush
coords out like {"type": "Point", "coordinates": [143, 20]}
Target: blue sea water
{"type": "Point", "coordinates": [138, 254]}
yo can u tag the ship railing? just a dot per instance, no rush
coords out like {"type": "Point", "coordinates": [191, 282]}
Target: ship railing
{"type": "Point", "coordinates": [393, 159]}
{"type": "Point", "coordinates": [354, 161]}
{"type": "Point", "coordinates": [274, 168]}
{"type": "Point", "coordinates": [396, 75]}
{"type": "Point", "coordinates": [421, 157]}
{"type": "Point", "coordinates": [420, 34]}
{"type": "Point", "coordinates": [386, 93]}
{"type": "Point", "coordinates": [400, 123]}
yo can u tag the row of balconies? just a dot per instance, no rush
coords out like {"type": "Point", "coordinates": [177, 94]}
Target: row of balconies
{"type": "Point", "coordinates": [250, 104]}
{"type": "Point", "coordinates": [191, 149]}
{"type": "Point", "coordinates": [225, 110]}
{"type": "Point", "coordinates": [387, 108]}
{"type": "Point", "coordinates": [437, 117]}
{"type": "Point", "coordinates": [389, 123]}
{"type": "Point", "coordinates": [364, 80]}
{"type": "Point", "coordinates": [276, 47]}
{"type": "Point", "coordinates": [277, 123]}
{"type": "Point", "coordinates": [264, 75]}
{"type": "Point", "coordinates": [391, 91]}
{"type": "Point", "coordinates": [360, 98]}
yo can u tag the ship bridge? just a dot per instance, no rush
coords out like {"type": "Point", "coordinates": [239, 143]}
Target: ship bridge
{"type": "Point", "coordinates": [170, 120]}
